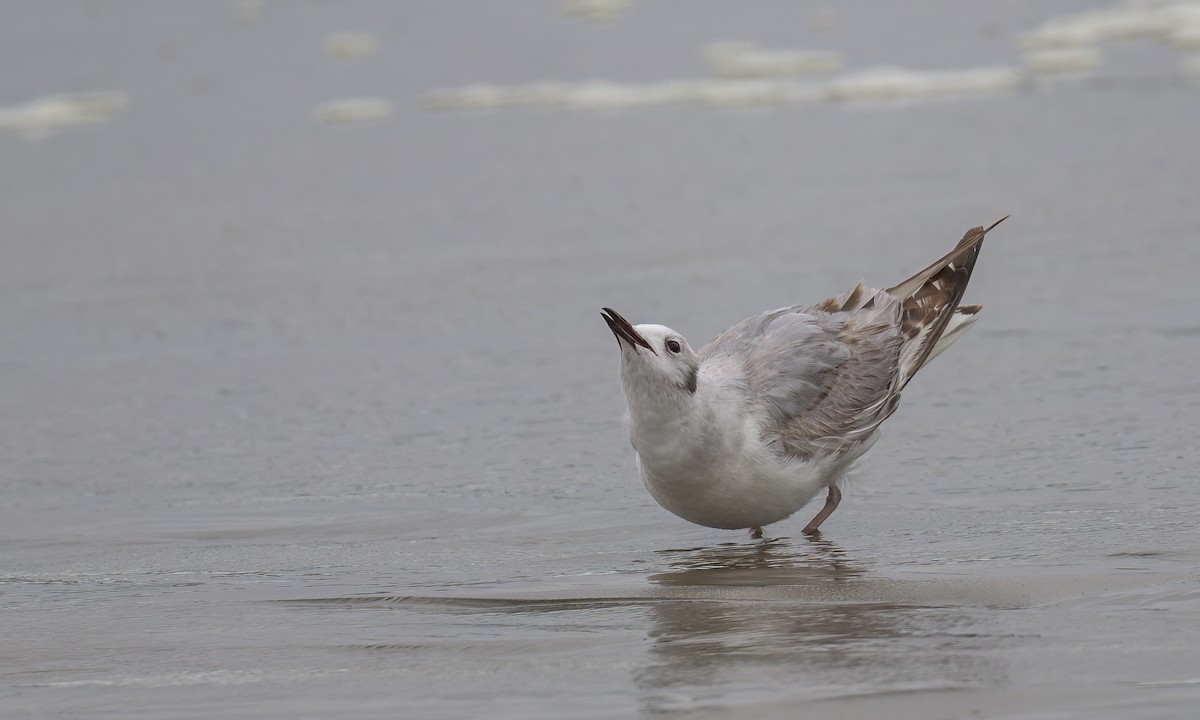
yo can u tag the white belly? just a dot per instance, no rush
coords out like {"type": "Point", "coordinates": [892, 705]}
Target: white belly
{"type": "Point", "coordinates": [757, 489]}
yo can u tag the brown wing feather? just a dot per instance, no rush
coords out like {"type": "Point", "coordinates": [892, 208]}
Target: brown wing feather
{"type": "Point", "coordinates": [885, 337]}
{"type": "Point", "coordinates": [931, 297]}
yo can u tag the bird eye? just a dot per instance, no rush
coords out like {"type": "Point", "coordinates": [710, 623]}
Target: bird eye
{"type": "Point", "coordinates": [673, 346]}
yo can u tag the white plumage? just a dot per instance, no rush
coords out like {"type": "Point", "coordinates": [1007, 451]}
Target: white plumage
{"type": "Point", "coordinates": [752, 427]}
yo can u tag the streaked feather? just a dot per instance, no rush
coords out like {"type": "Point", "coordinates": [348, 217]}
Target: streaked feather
{"type": "Point", "coordinates": [826, 376]}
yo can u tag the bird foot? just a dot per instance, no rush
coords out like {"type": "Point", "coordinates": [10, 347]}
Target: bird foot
{"type": "Point", "coordinates": [756, 533]}
{"type": "Point", "coordinates": [831, 503]}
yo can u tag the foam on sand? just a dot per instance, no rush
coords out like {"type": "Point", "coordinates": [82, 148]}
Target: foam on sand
{"type": "Point", "coordinates": [596, 10]}
{"type": "Point", "coordinates": [346, 45]}
{"type": "Point", "coordinates": [1185, 34]}
{"type": "Point", "coordinates": [745, 75]}
{"type": "Point", "coordinates": [353, 110]}
{"type": "Point", "coordinates": [872, 85]}
{"type": "Point", "coordinates": [606, 95]}
{"type": "Point", "coordinates": [821, 19]}
{"type": "Point", "coordinates": [746, 60]}
{"type": "Point", "coordinates": [588, 95]}
{"type": "Point", "coordinates": [1125, 21]}
{"type": "Point", "coordinates": [1061, 61]}
{"type": "Point", "coordinates": [47, 115]}
{"type": "Point", "coordinates": [894, 83]}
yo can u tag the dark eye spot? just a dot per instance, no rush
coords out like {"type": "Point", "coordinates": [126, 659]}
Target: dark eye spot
{"type": "Point", "coordinates": [673, 346]}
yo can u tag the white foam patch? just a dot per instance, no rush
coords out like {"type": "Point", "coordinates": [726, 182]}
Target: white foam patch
{"type": "Point", "coordinates": [347, 45]}
{"type": "Point", "coordinates": [47, 115]}
{"type": "Point", "coordinates": [486, 97]}
{"type": "Point", "coordinates": [874, 85]}
{"type": "Point", "coordinates": [1089, 28]}
{"type": "Point", "coordinates": [746, 60]}
{"type": "Point", "coordinates": [353, 110]}
{"type": "Point", "coordinates": [748, 93]}
{"type": "Point", "coordinates": [745, 75]}
{"type": "Point", "coordinates": [1125, 21]}
{"type": "Point", "coordinates": [821, 19]}
{"type": "Point", "coordinates": [893, 83]}
{"type": "Point", "coordinates": [1062, 61]}
{"type": "Point", "coordinates": [1184, 22]}
{"type": "Point", "coordinates": [596, 10]}
{"type": "Point", "coordinates": [606, 95]}
{"type": "Point", "coordinates": [1187, 38]}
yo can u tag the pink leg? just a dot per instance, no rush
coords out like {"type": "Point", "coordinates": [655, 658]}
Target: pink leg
{"type": "Point", "coordinates": [831, 503]}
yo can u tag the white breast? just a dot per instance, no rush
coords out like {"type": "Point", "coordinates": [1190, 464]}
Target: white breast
{"type": "Point", "coordinates": [730, 485]}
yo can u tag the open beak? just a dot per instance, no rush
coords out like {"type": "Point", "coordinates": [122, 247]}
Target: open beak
{"type": "Point", "coordinates": [623, 330]}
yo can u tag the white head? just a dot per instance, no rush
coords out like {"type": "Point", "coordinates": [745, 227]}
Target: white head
{"type": "Point", "coordinates": [657, 364]}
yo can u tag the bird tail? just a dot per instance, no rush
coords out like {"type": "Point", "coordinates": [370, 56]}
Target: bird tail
{"type": "Point", "coordinates": [931, 317]}
{"type": "Point", "coordinates": [961, 321]}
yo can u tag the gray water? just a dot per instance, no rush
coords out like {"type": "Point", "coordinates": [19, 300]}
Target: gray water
{"type": "Point", "coordinates": [301, 420]}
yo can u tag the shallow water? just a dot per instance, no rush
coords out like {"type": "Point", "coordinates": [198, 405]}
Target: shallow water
{"type": "Point", "coordinates": [303, 419]}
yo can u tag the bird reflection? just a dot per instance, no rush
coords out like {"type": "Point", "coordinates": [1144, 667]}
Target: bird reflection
{"type": "Point", "coordinates": [792, 616]}
{"type": "Point", "coordinates": [771, 562]}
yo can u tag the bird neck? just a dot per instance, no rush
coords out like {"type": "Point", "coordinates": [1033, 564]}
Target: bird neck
{"type": "Point", "coordinates": [666, 425]}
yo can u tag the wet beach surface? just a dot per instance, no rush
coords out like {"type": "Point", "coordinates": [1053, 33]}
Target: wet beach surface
{"type": "Point", "coordinates": [306, 406]}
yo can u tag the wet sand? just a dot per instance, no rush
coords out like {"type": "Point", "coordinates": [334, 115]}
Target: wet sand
{"type": "Point", "coordinates": [315, 417]}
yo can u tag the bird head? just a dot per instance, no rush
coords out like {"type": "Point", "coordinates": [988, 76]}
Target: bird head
{"type": "Point", "coordinates": [654, 358]}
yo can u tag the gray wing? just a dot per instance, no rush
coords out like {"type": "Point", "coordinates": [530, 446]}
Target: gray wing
{"type": "Point", "coordinates": [825, 377]}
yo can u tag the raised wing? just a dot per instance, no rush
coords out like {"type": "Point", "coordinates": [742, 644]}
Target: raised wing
{"type": "Point", "coordinates": [825, 377]}
{"type": "Point", "coordinates": [931, 300]}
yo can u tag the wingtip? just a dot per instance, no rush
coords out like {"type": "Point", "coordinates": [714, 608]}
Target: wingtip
{"type": "Point", "coordinates": [989, 228]}
{"type": "Point", "coordinates": [975, 235]}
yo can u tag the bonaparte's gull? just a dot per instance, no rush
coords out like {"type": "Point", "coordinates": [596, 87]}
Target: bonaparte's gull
{"type": "Point", "coordinates": [751, 428]}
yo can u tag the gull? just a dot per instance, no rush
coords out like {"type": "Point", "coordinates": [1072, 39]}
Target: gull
{"type": "Point", "coordinates": [777, 408]}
